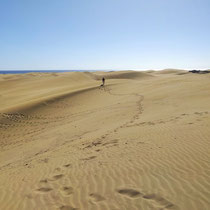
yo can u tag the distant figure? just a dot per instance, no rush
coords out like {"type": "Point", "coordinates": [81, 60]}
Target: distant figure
{"type": "Point", "coordinates": [103, 81]}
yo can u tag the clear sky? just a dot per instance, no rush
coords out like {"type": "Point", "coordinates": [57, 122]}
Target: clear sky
{"type": "Point", "coordinates": [104, 34]}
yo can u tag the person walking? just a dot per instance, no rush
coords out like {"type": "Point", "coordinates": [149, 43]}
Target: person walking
{"type": "Point", "coordinates": [103, 81]}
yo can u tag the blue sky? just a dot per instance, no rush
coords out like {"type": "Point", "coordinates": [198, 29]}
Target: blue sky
{"type": "Point", "coordinates": [104, 34]}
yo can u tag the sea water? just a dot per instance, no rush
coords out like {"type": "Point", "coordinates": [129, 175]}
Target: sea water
{"type": "Point", "coordinates": [39, 71]}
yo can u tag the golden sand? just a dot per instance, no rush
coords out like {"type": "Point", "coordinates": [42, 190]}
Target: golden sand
{"type": "Point", "coordinates": [141, 142]}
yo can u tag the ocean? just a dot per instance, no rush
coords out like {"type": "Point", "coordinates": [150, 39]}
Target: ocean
{"type": "Point", "coordinates": [39, 71]}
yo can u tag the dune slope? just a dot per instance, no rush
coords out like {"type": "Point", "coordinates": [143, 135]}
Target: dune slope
{"type": "Point", "coordinates": [141, 142]}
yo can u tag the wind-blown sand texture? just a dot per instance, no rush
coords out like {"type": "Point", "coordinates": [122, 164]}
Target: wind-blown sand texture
{"type": "Point", "coordinates": [141, 142]}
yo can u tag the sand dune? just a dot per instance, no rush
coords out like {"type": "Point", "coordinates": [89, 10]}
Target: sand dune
{"type": "Point", "coordinates": [171, 71]}
{"type": "Point", "coordinates": [121, 75]}
{"type": "Point", "coordinates": [141, 142]}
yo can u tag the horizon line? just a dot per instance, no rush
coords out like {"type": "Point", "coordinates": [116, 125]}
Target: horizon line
{"type": "Point", "coordinates": [127, 69]}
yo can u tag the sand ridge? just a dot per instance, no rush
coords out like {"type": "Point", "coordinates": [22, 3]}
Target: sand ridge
{"type": "Point", "coordinates": [140, 142]}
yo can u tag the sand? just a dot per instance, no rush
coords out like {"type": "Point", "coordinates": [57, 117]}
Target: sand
{"type": "Point", "coordinates": [141, 142]}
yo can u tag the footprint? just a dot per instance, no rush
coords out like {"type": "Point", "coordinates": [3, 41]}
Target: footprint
{"type": "Point", "coordinates": [43, 181]}
{"type": "Point", "coordinates": [113, 142]}
{"type": "Point", "coordinates": [151, 123]}
{"type": "Point", "coordinates": [130, 193]}
{"type": "Point", "coordinates": [93, 144]}
{"type": "Point", "coordinates": [45, 160]}
{"type": "Point", "coordinates": [160, 201]}
{"type": "Point", "coordinates": [96, 197]}
{"type": "Point", "coordinates": [67, 208]}
{"type": "Point", "coordinates": [44, 189]}
{"type": "Point", "coordinates": [183, 114]}
{"type": "Point", "coordinates": [67, 190]}
{"type": "Point", "coordinates": [89, 158]}
{"type": "Point", "coordinates": [67, 165]}
{"type": "Point", "coordinates": [56, 177]}
{"type": "Point", "coordinates": [98, 150]}
{"type": "Point", "coordinates": [198, 113]}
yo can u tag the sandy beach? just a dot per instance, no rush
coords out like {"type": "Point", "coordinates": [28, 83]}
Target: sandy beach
{"type": "Point", "coordinates": [140, 142]}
